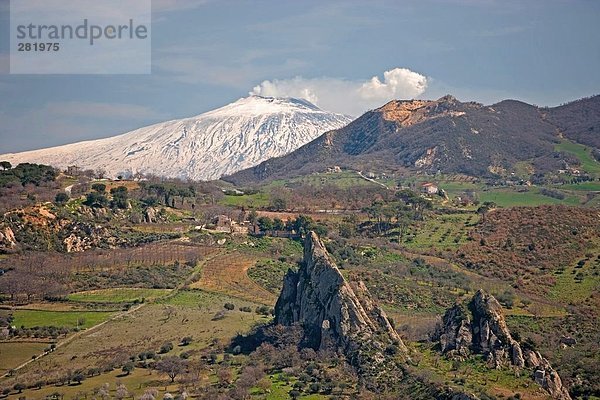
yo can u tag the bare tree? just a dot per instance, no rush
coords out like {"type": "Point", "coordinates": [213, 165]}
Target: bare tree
{"type": "Point", "coordinates": [171, 366]}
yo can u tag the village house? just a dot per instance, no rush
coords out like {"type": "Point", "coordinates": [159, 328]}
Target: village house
{"type": "Point", "coordinates": [429, 188]}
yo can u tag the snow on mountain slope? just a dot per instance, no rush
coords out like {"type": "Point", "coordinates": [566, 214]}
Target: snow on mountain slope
{"type": "Point", "coordinates": [219, 142]}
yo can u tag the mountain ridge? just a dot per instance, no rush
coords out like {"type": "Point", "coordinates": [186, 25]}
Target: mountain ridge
{"type": "Point", "coordinates": [203, 147]}
{"type": "Point", "coordinates": [445, 135]}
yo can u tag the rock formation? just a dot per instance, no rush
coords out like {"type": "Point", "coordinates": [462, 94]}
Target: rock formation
{"type": "Point", "coordinates": [333, 312]}
{"type": "Point", "coordinates": [456, 337]}
{"type": "Point", "coordinates": [150, 215]}
{"type": "Point", "coordinates": [481, 329]}
{"type": "Point", "coordinates": [490, 333]}
{"type": "Point", "coordinates": [83, 236]}
{"type": "Point", "coordinates": [8, 242]}
{"type": "Point", "coordinates": [545, 376]}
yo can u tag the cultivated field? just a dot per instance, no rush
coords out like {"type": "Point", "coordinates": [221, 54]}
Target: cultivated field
{"type": "Point", "coordinates": [228, 274]}
{"type": "Point", "coordinates": [117, 295]}
{"type": "Point", "coordinates": [13, 354]}
{"type": "Point", "coordinates": [70, 319]}
{"type": "Point", "coordinates": [194, 313]}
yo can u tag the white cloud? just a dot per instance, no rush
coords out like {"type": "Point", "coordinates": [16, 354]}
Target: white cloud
{"type": "Point", "coordinates": [349, 97]}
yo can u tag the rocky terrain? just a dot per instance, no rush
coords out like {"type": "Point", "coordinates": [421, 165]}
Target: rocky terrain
{"type": "Point", "coordinates": [336, 314]}
{"type": "Point", "coordinates": [40, 228]}
{"type": "Point", "coordinates": [480, 328]}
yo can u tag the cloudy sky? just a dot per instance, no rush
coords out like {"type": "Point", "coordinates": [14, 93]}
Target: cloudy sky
{"type": "Point", "coordinates": [346, 56]}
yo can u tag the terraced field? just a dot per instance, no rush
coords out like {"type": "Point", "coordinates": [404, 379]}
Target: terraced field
{"type": "Point", "coordinates": [227, 274]}
{"type": "Point", "coordinates": [446, 231]}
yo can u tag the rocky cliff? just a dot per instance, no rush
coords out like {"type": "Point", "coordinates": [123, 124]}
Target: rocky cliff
{"type": "Point", "coordinates": [8, 243]}
{"type": "Point", "coordinates": [334, 313]}
{"type": "Point", "coordinates": [480, 328]}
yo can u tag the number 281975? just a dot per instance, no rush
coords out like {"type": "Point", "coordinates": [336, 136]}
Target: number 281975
{"type": "Point", "coordinates": [35, 46]}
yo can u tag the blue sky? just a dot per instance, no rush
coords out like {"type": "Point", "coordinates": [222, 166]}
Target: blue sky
{"type": "Point", "coordinates": [208, 53]}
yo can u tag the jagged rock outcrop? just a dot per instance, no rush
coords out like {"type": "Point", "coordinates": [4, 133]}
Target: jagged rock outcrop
{"type": "Point", "coordinates": [456, 337]}
{"type": "Point", "coordinates": [490, 333]}
{"type": "Point", "coordinates": [84, 236]}
{"type": "Point", "coordinates": [544, 375]}
{"type": "Point", "coordinates": [150, 215]}
{"type": "Point", "coordinates": [333, 312]}
{"type": "Point", "coordinates": [8, 242]}
{"type": "Point", "coordinates": [481, 328]}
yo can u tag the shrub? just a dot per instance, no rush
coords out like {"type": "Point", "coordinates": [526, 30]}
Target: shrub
{"type": "Point", "coordinates": [128, 368]}
{"type": "Point", "coordinates": [186, 340]}
{"type": "Point", "coordinates": [166, 347]}
{"type": "Point", "coordinates": [61, 198]}
{"type": "Point", "coordinates": [99, 187]}
{"type": "Point", "coordinates": [78, 377]}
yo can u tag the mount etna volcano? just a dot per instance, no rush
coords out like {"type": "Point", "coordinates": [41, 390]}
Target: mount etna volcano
{"type": "Point", "coordinates": [236, 136]}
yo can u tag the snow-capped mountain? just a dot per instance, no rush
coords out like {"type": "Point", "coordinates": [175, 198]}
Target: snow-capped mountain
{"type": "Point", "coordinates": [219, 142]}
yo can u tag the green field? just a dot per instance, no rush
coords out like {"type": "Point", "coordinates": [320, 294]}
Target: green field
{"type": "Point", "coordinates": [583, 153]}
{"type": "Point", "coordinates": [442, 231]}
{"type": "Point", "coordinates": [71, 319]}
{"type": "Point", "coordinates": [530, 198]}
{"type": "Point", "coordinates": [259, 199]}
{"type": "Point", "coordinates": [576, 284]}
{"type": "Point", "coordinates": [201, 299]}
{"type": "Point", "coordinates": [117, 295]}
{"type": "Point", "coordinates": [13, 354]}
{"type": "Point", "coordinates": [340, 179]}
{"type": "Point", "coordinates": [344, 179]}
{"type": "Point", "coordinates": [456, 188]}
{"type": "Point", "coordinates": [585, 186]}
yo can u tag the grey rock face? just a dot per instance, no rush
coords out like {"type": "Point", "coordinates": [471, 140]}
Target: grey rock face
{"type": "Point", "coordinates": [326, 305]}
{"type": "Point", "coordinates": [7, 239]}
{"type": "Point", "coordinates": [491, 335]}
{"type": "Point", "coordinates": [334, 312]}
{"type": "Point", "coordinates": [455, 336]}
{"type": "Point", "coordinates": [482, 330]}
{"type": "Point", "coordinates": [546, 376]}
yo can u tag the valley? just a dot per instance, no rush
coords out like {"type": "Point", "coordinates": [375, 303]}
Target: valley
{"type": "Point", "coordinates": [163, 288]}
